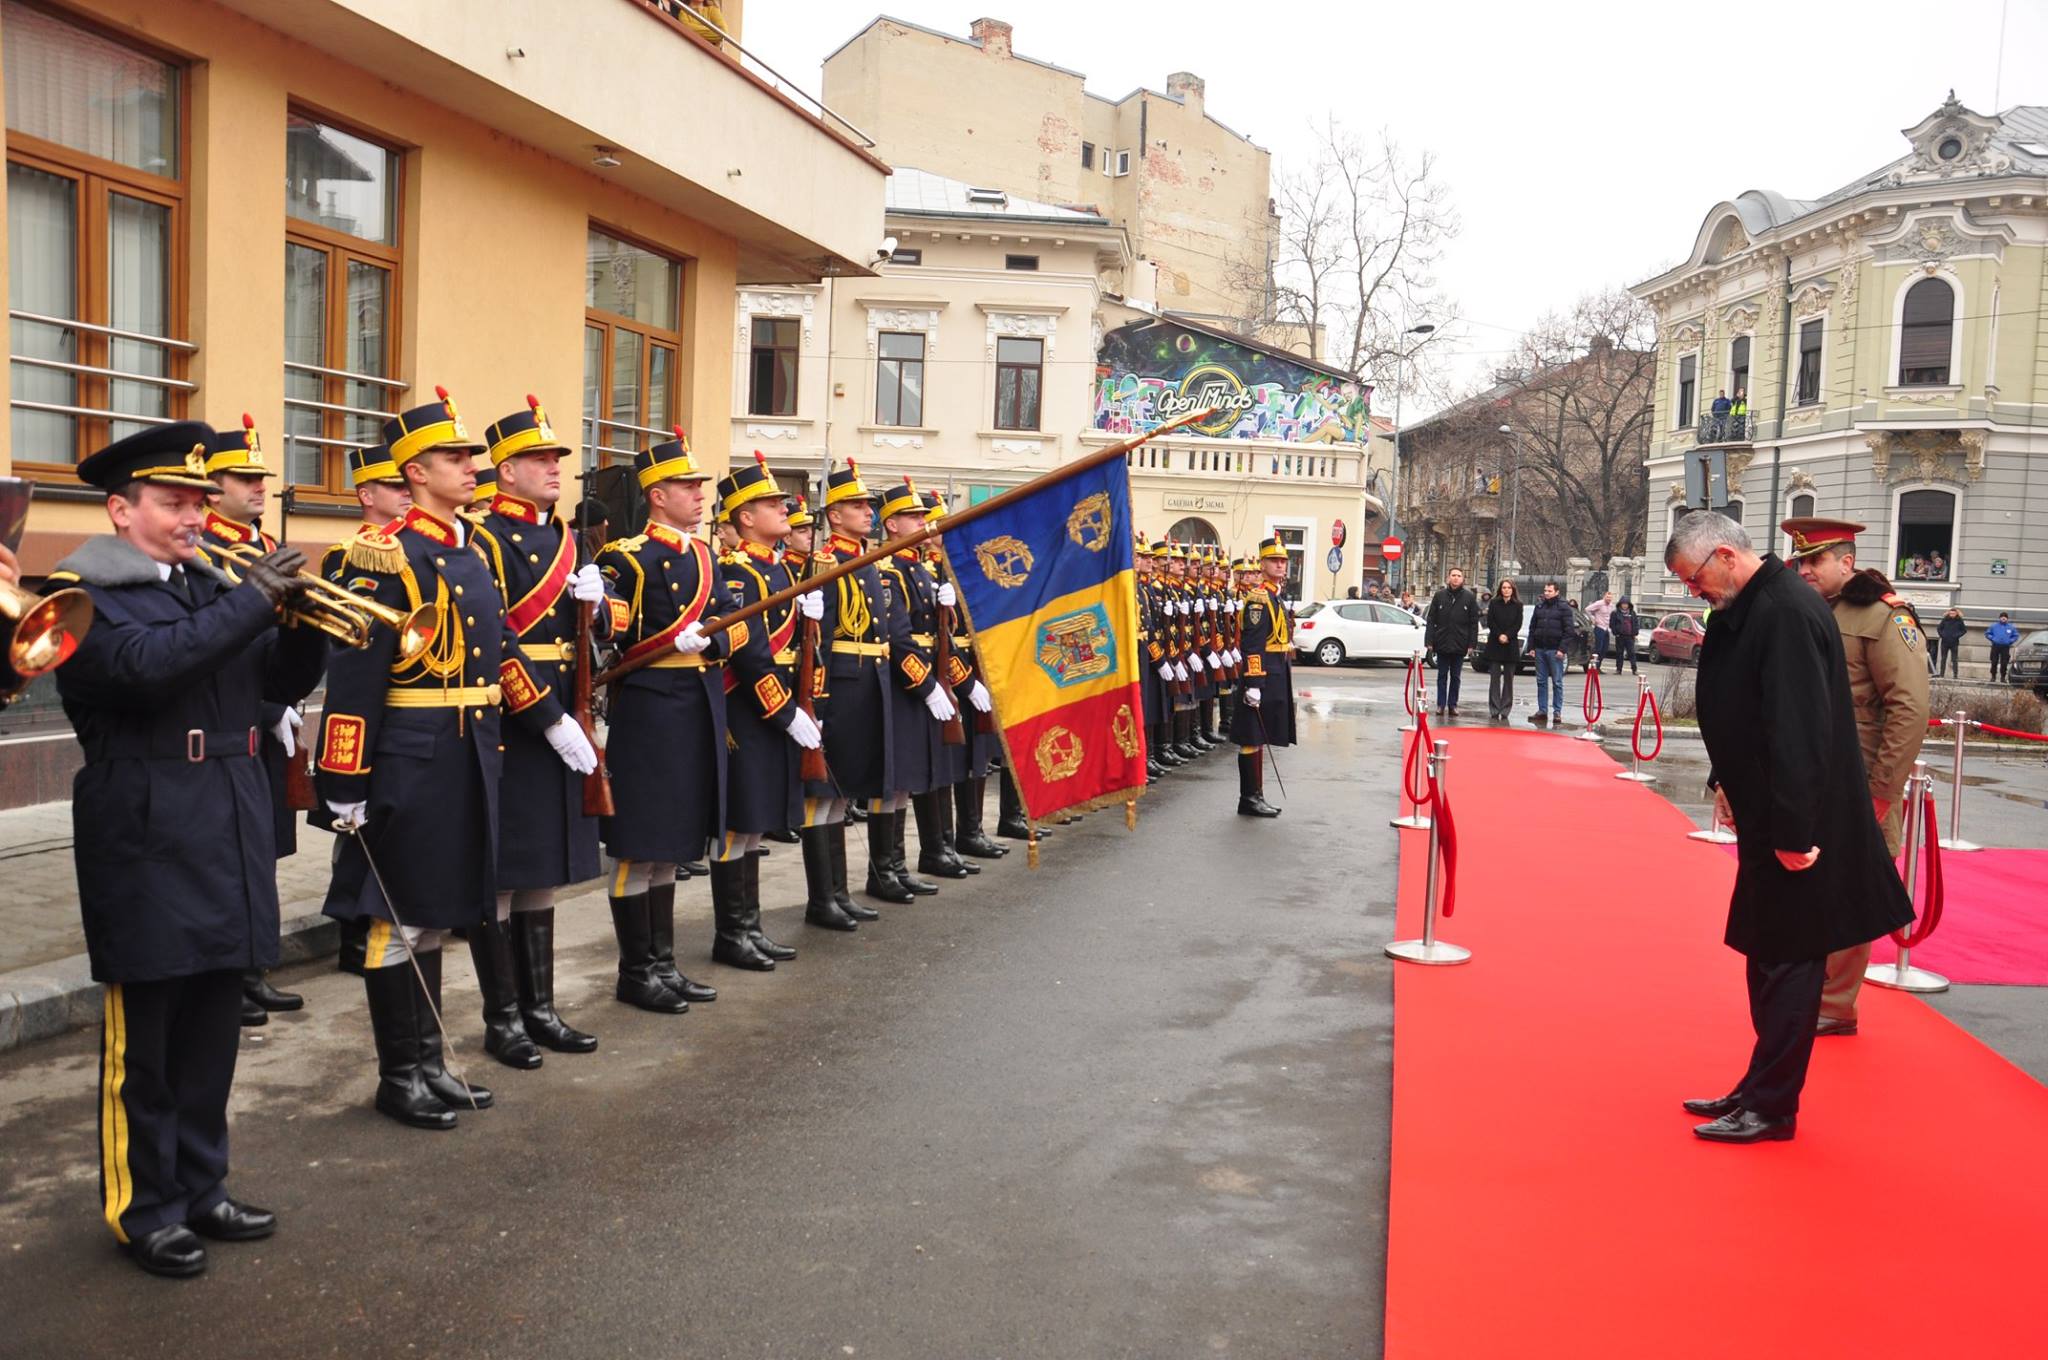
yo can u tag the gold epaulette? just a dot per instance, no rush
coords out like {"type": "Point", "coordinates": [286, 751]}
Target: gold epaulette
{"type": "Point", "coordinates": [374, 550]}
{"type": "Point", "coordinates": [626, 545]}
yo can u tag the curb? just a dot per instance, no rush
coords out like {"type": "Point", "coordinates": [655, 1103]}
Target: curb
{"type": "Point", "coordinates": [54, 998]}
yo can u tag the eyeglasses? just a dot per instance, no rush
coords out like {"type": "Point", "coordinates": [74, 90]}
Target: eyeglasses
{"type": "Point", "coordinates": [1692, 582]}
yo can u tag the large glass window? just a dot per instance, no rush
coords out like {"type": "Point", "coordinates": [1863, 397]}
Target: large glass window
{"type": "Point", "coordinates": [1019, 368]}
{"type": "Point", "coordinates": [94, 222]}
{"type": "Point", "coordinates": [1738, 368]}
{"type": "Point", "coordinates": [771, 374]}
{"type": "Point", "coordinates": [633, 303]}
{"type": "Point", "coordinates": [1809, 363]}
{"type": "Point", "coordinates": [899, 378]}
{"type": "Point", "coordinates": [1193, 529]}
{"type": "Point", "coordinates": [1688, 379]}
{"type": "Point", "coordinates": [341, 270]}
{"type": "Point", "coordinates": [1926, 536]}
{"type": "Point", "coordinates": [1925, 334]}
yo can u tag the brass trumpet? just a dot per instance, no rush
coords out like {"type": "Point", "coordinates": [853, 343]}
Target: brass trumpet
{"type": "Point", "coordinates": [47, 628]}
{"type": "Point", "coordinates": [346, 616]}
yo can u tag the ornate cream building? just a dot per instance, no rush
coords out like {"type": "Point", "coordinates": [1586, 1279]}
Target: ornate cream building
{"type": "Point", "coordinates": [1889, 338]}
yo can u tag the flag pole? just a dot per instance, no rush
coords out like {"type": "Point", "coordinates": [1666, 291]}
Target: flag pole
{"type": "Point", "coordinates": [916, 536]}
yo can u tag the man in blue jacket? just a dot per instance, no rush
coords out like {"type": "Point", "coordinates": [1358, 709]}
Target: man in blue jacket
{"type": "Point", "coordinates": [2001, 635]}
{"type": "Point", "coordinates": [1551, 628]}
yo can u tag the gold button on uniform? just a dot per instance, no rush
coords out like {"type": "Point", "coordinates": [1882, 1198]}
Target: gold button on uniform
{"type": "Point", "coordinates": [533, 557]}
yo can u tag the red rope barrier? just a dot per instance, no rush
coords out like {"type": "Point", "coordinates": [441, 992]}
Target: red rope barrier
{"type": "Point", "coordinates": [1591, 703]}
{"type": "Point", "coordinates": [1447, 843]}
{"type": "Point", "coordinates": [1411, 685]}
{"type": "Point", "coordinates": [2008, 732]}
{"type": "Point", "coordinates": [1423, 796]}
{"type": "Point", "coordinates": [1648, 703]}
{"type": "Point", "coordinates": [1931, 902]}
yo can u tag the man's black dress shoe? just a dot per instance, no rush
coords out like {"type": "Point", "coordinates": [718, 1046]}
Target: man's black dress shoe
{"type": "Point", "coordinates": [253, 1013]}
{"type": "Point", "coordinates": [1830, 1028]}
{"type": "Point", "coordinates": [1714, 1109]}
{"type": "Point", "coordinates": [1747, 1126]}
{"type": "Point", "coordinates": [257, 988]}
{"type": "Point", "coordinates": [171, 1251]}
{"type": "Point", "coordinates": [229, 1221]}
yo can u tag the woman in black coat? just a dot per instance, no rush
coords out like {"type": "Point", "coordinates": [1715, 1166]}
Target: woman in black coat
{"type": "Point", "coordinates": [1503, 649]}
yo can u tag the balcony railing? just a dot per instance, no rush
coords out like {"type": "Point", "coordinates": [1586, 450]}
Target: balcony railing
{"type": "Point", "coordinates": [1728, 429]}
{"type": "Point", "coordinates": [103, 396]}
{"type": "Point", "coordinates": [1309, 464]}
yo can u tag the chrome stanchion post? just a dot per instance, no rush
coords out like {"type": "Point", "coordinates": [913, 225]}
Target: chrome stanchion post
{"type": "Point", "coordinates": [1960, 721]}
{"type": "Point", "coordinates": [1717, 834]}
{"type": "Point", "coordinates": [1902, 976]}
{"type": "Point", "coordinates": [1411, 687]}
{"type": "Point", "coordinates": [1429, 949]}
{"type": "Point", "coordinates": [1634, 772]}
{"type": "Point", "coordinates": [1590, 733]}
{"type": "Point", "coordinates": [1415, 820]}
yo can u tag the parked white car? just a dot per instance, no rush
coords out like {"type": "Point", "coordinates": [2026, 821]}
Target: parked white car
{"type": "Point", "coordinates": [1336, 631]}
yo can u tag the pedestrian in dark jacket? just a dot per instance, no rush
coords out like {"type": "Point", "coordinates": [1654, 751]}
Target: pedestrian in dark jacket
{"type": "Point", "coordinates": [1551, 629]}
{"type": "Point", "coordinates": [1950, 631]}
{"type": "Point", "coordinates": [2001, 635]}
{"type": "Point", "coordinates": [1503, 649]}
{"type": "Point", "coordinates": [1812, 874]}
{"type": "Point", "coordinates": [1624, 625]}
{"type": "Point", "coordinates": [1449, 629]}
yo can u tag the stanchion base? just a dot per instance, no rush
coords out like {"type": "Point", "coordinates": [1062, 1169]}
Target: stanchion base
{"type": "Point", "coordinates": [1713, 836]}
{"type": "Point", "coordinates": [1412, 822]}
{"type": "Point", "coordinates": [1411, 727]}
{"type": "Point", "coordinates": [1635, 778]}
{"type": "Point", "coordinates": [1960, 847]}
{"type": "Point", "coordinates": [1588, 735]}
{"type": "Point", "coordinates": [1435, 952]}
{"type": "Point", "coordinates": [1907, 979]}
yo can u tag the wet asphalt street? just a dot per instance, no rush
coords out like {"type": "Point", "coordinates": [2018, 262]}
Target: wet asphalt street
{"type": "Point", "coordinates": [1133, 1104]}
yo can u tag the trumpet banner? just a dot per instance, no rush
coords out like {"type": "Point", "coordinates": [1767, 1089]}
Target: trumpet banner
{"type": "Point", "coordinates": [1049, 590]}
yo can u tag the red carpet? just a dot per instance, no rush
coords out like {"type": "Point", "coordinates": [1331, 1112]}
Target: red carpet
{"type": "Point", "coordinates": [1548, 1197]}
{"type": "Point", "coordinates": [1994, 927]}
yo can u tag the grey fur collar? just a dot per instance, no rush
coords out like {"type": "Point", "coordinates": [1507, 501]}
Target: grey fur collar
{"type": "Point", "coordinates": [109, 560]}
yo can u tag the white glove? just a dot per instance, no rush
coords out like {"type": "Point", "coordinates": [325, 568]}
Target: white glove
{"type": "Point", "coordinates": [347, 816]}
{"type": "Point", "coordinates": [586, 586]}
{"type": "Point", "coordinates": [811, 604]}
{"type": "Point", "coordinates": [1201, 606]}
{"type": "Point", "coordinates": [1184, 607]}
{"type": "Point", "coordinates": [1252, 695]}
{"type": "Point", "coordinates": [287, 731]}
{"type": "Point", "coordinates": [1195, 663]}
{"type": "Point", "coordinates": [978, 696]}
{"type": "Point", "coordinates": [803, 730]}
{"type": "Point", "coordinates": [1236, 657]}
{"type": "Point", "coordinates": [1180, 670]}
{"type": "Point", "coordinates": [692, 641]}
{"type": "Point", "coordinates": [946, 594]}
{"type": "Point", "coordinates": [566, 736]}
{"type": "Point", "coordinates": [1166, 670]}
{"type": "Point", "coordinates": [940, 703]}
{"type": "Point", "coordinates": [1215, 662]}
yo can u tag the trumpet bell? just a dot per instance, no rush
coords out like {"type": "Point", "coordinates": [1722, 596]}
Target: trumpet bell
{"type": "Point", "coordinates": [416, 631]}
{"type": "Point", "coordinates": [47, 629]}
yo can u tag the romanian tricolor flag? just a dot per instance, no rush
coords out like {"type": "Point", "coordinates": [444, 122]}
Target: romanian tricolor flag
{"type": "Point", "coordinates": [1051, 595]}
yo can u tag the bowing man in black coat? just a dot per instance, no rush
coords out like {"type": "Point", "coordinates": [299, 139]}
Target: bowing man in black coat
{"type": "Point", "coordinates": [173, 833]}
{"type": "Point", "coordinates": [1812, 872]}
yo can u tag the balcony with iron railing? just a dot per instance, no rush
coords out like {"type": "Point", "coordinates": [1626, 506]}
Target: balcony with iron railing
{"type": "Point", "coordinates": [1731, 428]}
{"type": "Point", "coordinates": [1334, 466]}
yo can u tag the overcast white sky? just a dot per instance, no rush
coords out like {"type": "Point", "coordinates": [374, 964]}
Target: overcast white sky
{"type": "Point", "coordinates": [1583, 143]}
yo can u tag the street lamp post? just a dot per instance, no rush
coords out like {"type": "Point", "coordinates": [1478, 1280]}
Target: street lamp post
{"type": "Point", "coordinates": [1400, 358]}
{"type": "Point", "coordinates": [1514, 496]}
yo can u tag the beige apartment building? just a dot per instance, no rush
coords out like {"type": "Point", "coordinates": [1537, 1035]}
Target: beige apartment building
{"type": "Point", "coordinates": [1190, 193]}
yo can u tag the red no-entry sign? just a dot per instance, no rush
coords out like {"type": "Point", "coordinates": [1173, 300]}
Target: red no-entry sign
{"type": "Point", "coordinates": [1337, 534]}
{"type": "Point", "coordinates": [1391, 549]}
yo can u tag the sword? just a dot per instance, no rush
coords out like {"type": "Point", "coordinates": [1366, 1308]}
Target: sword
{"type": "Point", "coordinates": [412, 958]}
{"type": "Point", "coordinates": [1265, 747]}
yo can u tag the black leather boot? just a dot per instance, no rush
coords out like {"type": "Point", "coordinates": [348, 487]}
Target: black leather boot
{"type": "Point", "coordinates": [1251, 791]}
{"type": "Point", "coordinates": [533, 968]}
{"type": "Point", "coordinates": [883, 884]}
{"type": "Point", "coordinates": [835, 838]}
{"type": "Point", "coordinates": [969, 797]}
{"type": "Point", "coordinates": [784, 836]}
{"type": "Point", "coordinates": [948, 835]}
{"type": "Point", "coordinates": [456, 1095]}
{"type": "Point", "coordinates": [253, 1014]}
{"type": "Point", "coordinates": [931, 840]}
{"type": "Point", "coordinates": [820, 907]}
{"type": "Point", "coordinates": [505, 1036]}
{"type": "Point", "coordinates": [398, 1022]}
{"type": "Point", "coordinates": [639, 985]}
{"type": "Point", "coordinates": [729, 942]}
{"type": "Point", "coordinates": [899, 858]}
{"type": "Point", "coordinates": [661, 935]}
{"type": "Point", "coordinates": [751, 881]}
{"type": "Point", "coordinates": [1160, 749]}
{"type": "Point", "coordinates": [1010, 820]}
{"type": "Point", "coordinates": [257, 988]}
{"type": "Point", "coordinates": [856, 814]}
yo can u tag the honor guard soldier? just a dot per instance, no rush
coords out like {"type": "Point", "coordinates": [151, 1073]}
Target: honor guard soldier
{"type": "Point", "coordinates": [968, 764]}
{"type": "Point", "coordinates": [486, 486]}
{"type": "Point", "coordinates": [235, 466]}
{"type": "Point", "coordinates": [1265, 714]}
{"type": "Point", "coordinates": [797, 544]}
{"type": "Point", "coordinates": [172, 831]}
{"type": "Point", "coordinates": [854, 703]}
{"type": "Point", "coordinates": [411, 754]}
{"type": "Point", "coordinates": [920, 704]}
{"type": "Point", "coordinates": [545, 842]}
{"type": "Point", "coordinates": [382, 494]}
{"type": "Point", "coordinates": [767, 728]}
{"type": "Point", "coordinates": [1156, 611]}
{"type": "Point", "coordinates": [1886, 651]}
{"type": "Point", "coordinates": [668, 724]}
{"type": "Point", "coordinates": [1186, 663]}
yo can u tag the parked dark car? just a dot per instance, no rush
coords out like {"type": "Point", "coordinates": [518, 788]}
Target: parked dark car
{"type": "Point", "coordinates": [2030, 663]}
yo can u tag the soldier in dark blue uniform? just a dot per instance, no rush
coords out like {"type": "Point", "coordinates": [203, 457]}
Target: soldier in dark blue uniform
{"type": "Point", "coordinates": [667, 739]}
{"type": "Point", "coordinates": [964, 769]}
{"type": "Point", "coordinates": [1265, 710]}
{"type": "Point", "coordinates": [172, 832]}
{"type": "Point", "coordinates": [382, 494]}
{"type": "Point", "coordinates": [410, 758]}
{"type": "Point", "coordinates": [768, 730]}
{"type": "Point", "coordinates": [235, 466]}
{"type": "Point", "coordinates": [919, 703]}
{"type": "Point", "coordinates": [544, 840]}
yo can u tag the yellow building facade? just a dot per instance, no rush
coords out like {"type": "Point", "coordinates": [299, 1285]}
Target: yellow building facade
{"type": "Point", "coordinates": [501, 197]}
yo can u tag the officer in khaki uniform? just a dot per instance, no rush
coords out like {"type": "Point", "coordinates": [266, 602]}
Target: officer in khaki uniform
{"type": "Point", "coordinates": [1887, 656]}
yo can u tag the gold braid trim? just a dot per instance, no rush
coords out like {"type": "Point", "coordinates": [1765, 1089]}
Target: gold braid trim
{"type": "Point", "coordinates": [375, 550]}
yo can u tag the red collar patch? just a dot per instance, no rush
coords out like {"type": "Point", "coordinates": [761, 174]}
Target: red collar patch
{"type": "Point", "coordinates": [670, 537]}
{"type": "Point", "coordinates": [511, 507]}
{"type": "Point", "coordinates": [429, 526]}
{"type": "Point", "coordinates": [229, 531]}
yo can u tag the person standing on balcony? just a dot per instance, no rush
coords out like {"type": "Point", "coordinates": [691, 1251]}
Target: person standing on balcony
{"type": "Point", "coordinates": [1601, 612]}
{"type": "Point", "coordinates": [1719, 411]}
{"type": "Point", "coordinates": [1550, 630]}
{"type": "Point", "coordinates": [1738, 415]}
{"type": "Point", "coordinates": [1449, 630]}
{"type": "Point", "coordinates": [2001, 635]}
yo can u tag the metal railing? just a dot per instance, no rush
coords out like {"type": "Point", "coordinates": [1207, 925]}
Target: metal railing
{"type": "Point", "coordinates": [1727, 429]}
{"type": "Point", "coordinates": [165, 343]}
{"type": "Point", "coordinates": [689, 14]}
{"type": "Point", "coordinates": [320, 408]}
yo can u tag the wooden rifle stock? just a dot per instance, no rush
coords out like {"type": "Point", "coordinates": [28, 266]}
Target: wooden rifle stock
{"type": "Point", "coordinates": [298, 779]}
{"type": "Point", "coordinates": [951, 732]}
{"type": "Point", "coordinates": [597, 785]}
{"type": "Point", "coordinates": [811, 767]}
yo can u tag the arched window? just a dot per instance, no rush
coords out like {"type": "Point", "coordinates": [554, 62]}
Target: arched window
{"type": "Point", "coordinates": [1193, 530]}
{"type": "Point", "coordinates": [1925, 536]}
{"type": "Point", "coordinates": [1797, 507]}
{"type": "Point", "coordinates": [1926, 332]}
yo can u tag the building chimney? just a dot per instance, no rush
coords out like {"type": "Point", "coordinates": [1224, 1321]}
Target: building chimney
{"type": "Point", "coordinates": [993, 35]}
{"type": "Point", "coordinates": [1188, 86]}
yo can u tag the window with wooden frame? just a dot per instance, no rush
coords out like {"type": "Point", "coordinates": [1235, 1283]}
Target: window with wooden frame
{"type": "Point", "coordinates": [899, 379]}
{"type": "Point", "coordinates": [632, 345]}
{"type": "Point", "coordinates": [1019, 371]}
{"type": "Point", "coordinates": [771, 370]}
{"type": "Point", "coordinates": [96, 222]}
{"type": "Point", "coordinates": [341, 285]}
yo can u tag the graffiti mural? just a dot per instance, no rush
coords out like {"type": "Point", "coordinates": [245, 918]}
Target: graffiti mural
{"type": "Point", "coordinates": [1151, 371]}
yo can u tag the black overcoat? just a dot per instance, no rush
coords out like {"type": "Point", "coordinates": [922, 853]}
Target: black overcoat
{"type": "Point", "coordinates": [1503, 617]}
{"type": "Point", "coordinates": [1780, 732]}
{"type": "Point", "coordinates": [1267, 641]}
{"type": "Point", "coordinates": [763, 789]}
{"type": "Point", "coordinates": [852, 699]}
{"type": "Point", "coordinates": [917, 749]}
{"type": "Point", "coordinates": [177, 861]}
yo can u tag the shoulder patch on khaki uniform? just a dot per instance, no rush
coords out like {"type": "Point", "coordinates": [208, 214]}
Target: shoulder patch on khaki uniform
{"type": "Point", "coordinates": [1909, 632]}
